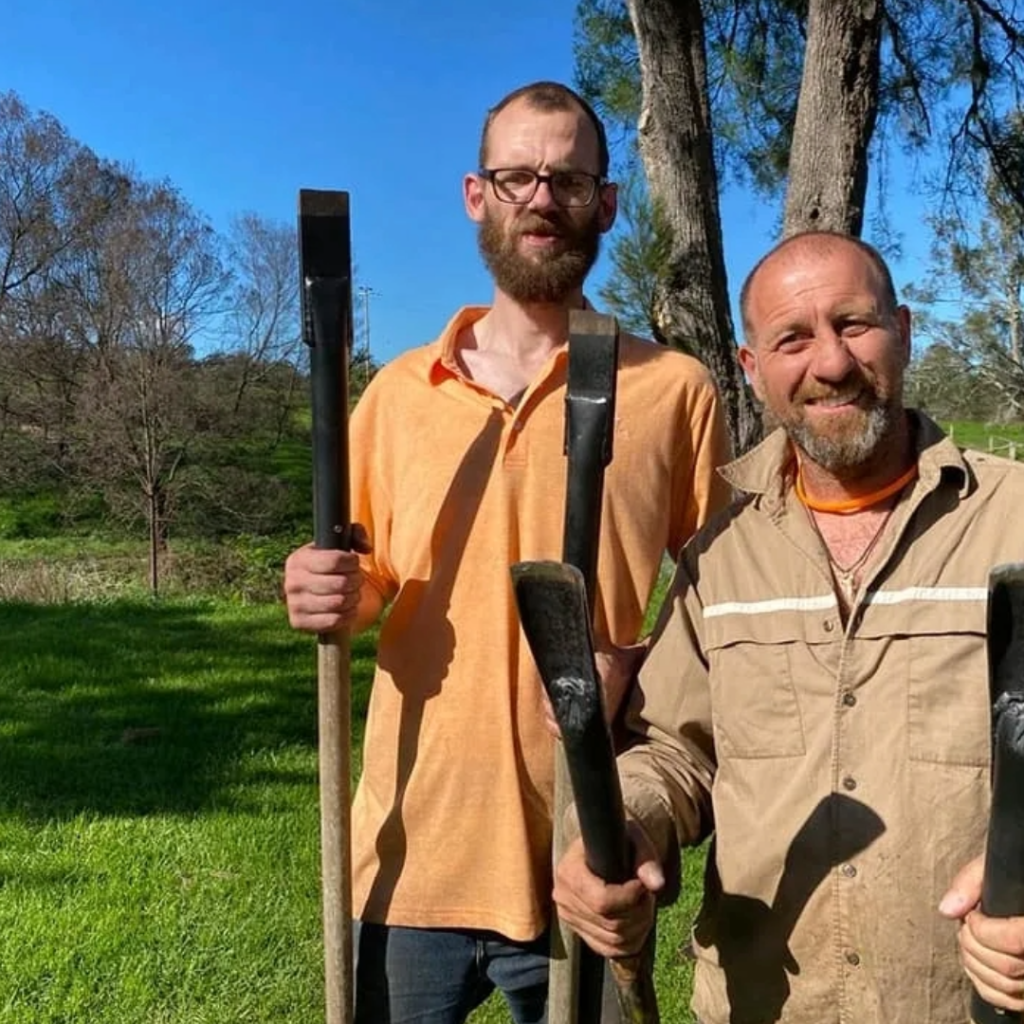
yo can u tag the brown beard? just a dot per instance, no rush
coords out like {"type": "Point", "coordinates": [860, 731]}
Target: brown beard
{"type": "Point", "coordinates": [550, 277]}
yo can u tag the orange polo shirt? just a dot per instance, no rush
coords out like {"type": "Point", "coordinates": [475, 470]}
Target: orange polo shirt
{"type": "Point", "coordinates": [452, 816]}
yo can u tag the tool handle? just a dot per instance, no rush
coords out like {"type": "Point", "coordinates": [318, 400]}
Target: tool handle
{"type": "Point", "coordinates": [1002, 892]}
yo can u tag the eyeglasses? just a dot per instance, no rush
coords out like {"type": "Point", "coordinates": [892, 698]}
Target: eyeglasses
{"type": "Point", "coordinates": [517, 185]}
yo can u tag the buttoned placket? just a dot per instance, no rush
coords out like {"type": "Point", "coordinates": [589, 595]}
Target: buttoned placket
{"type": "Point", "coordinates": [847, 873]}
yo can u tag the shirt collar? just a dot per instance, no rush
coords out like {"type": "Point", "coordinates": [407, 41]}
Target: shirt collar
{"type": "Point", "coordinates": [444, 360]}
{"type": "Point", "coordinates": [766, 470]}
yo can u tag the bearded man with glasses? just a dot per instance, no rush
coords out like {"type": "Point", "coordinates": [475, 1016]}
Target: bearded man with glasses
{"type": "Point", "coordinates": [457, 472]}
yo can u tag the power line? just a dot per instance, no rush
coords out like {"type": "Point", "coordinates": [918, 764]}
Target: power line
{"type": "Point", "coordinates": [362, 357]}
{"type": "Point", "coordinates": [366, 291]}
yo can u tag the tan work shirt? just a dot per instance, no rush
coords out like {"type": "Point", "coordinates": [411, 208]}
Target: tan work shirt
{"type": "Point", "coordinates": [845, 772]}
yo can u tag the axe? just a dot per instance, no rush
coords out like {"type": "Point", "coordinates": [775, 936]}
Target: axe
{"type": "Point", "coordinates": [1002, 892]}
{"type": "Point", "coordinates": [577, 973]}
{"type": "Point", "coordinates": [555, 615]}
{"type": "Point", "coordinates": [326, 287]}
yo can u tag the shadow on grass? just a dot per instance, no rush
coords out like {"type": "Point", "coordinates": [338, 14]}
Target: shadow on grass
{"type": "Point", "coordinates": [135, 708]}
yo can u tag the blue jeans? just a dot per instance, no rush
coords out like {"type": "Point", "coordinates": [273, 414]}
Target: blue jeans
{"type": "Point", "coordinates": [434, 976]}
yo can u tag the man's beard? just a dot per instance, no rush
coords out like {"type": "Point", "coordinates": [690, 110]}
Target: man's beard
{"type": "Point", "coordinates": [548, 276]}
{"type": "Point", "coordinates": [856, 444]}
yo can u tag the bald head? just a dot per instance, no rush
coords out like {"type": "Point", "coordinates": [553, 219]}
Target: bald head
{"type": "Point", "coordinates": [811, 247]}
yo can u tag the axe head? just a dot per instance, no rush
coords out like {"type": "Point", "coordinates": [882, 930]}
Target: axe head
{"type": "Point", "coordinates": [553, 609]}
{"type": "Point", "coordinates": [325, 249]}
{"type": "Point", "coordinates": [1006, 630]}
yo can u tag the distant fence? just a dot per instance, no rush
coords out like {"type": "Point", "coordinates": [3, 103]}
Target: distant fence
{"type": "Point", "coordinates": [1002, 446]}
{"type": "Point", "coordinates": [997, 445]}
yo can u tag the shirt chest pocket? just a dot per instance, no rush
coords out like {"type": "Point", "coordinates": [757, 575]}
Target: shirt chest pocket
{"type": "Point", "coordinates": [755, 709]}
{"type": "Point", "coordinates": [948, 707]}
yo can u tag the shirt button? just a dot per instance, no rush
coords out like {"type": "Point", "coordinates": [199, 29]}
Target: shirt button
{"type": "Point", "coordinates": [849, 870]}
{"type": "Point", "coordinates": [849, 699]}
{"type": "Point", "coordinates": [852, 958]}
{"type": "Point", "coordinates": [829, 625]}
{"type": "Point", "coordinates": [849, 782]}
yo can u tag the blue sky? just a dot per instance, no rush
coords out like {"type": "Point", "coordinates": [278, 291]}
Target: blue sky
{"type": "Point", "coordinates": [240, 105]}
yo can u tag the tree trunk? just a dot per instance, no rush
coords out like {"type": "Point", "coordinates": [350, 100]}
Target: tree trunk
{"type": "Point", "coordinates": [835, 117]}
{"type": "Point", "coordinates": [692, 305]}
{"type": "Point", "coordinates": [153, 510]}
{"type": "Point", "coordinates": [1015, 344]}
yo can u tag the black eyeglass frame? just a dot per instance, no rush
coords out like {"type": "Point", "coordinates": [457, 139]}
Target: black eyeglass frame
{"type": "Point", "coordinates": [490, 174]}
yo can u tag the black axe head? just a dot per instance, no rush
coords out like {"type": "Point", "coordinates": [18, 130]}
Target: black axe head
{"type": "Point", "coordinates": [553, 610]}
{"type": "Point", "coordinates": [325, 248]}
{"type": "Point", "coordinates": [593, 361]}
{"type": "Point", "coordinates": [1006, 629]}
{"type": "Point", "coordinates": [325, 252]}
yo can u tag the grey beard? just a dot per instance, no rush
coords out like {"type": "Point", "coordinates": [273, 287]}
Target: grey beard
{"type": "Point", "coordinates": [857, 451]}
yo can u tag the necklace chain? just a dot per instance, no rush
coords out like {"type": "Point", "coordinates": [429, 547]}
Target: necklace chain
{"type": "Point", "coordinates": [849, 570]}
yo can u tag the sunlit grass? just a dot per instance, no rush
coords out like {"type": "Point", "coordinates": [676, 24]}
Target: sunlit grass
{"type": "Point", "coordinates": [158, 814]}
{"type": "Point", "coordinates": [993, 437]}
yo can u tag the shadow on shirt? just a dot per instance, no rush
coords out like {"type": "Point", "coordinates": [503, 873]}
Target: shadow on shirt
{"type": "Point", "coordinates": [422, 605]}
{"type": "Point", "coordinates": [752, 938]}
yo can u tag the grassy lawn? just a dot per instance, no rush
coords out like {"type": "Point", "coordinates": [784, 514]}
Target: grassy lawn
{"type": "Point", "coordinates": [159, 853]}
{"type": "Point", "coordinates": [158, 815]}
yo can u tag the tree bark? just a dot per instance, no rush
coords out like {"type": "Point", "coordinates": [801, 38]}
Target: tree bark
{"type": "Point", "coordinates": [153, 512]}
{"type": "Point", "coordinates": [835, 117]}
{"type": "Point", "coordinates": [692, 305]}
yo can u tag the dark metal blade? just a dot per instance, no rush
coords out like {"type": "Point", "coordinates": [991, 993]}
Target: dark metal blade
{"type": "Point", "coordinates": [553, 609]}
{"type": "Point", "coordinates": [1006, 629]}
{"type": "Point", "coordinates": [1003, 886]}
{"type": "Point", "coordinates": [325, 257]}
{"type": "Point", "coordinates": [589, 428]}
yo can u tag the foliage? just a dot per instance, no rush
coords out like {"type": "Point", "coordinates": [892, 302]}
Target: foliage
{"type": "Point", "coordinates": [639, 250]}
{"type": "Point", "coordinates": [37, 515]}
{"type": "Point", "coordinates": [607, 66]}
{"type": "Point", "coordinates": [951, 70]}
{"type": "Point", "coordinates": [940, 383]}
{"type": "Point", "coordinates": [791, 95]}
{"type": "Point", "coordinates": [153, 377]}
{"type": "Point", "coordinates": [972, 303]}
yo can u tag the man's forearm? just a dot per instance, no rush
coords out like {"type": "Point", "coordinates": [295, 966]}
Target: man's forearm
{"type": "Point", "coordinates": [669, 797]}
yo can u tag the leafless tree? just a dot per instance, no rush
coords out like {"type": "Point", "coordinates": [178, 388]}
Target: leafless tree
{"type": "Point", "coordinates": [156, 282]}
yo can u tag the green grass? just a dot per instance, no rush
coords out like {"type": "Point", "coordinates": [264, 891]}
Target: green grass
{"type": "Point", "coordinates": [68, 547]}
{"type": "Point", "coordinates": [158, 815]}
{"type": "Point", "coordinates": [50, 570]}
{"type": "Point", "coordinates": [988, 436]}
{"type": "Point", "coordinates": [159, 855]}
